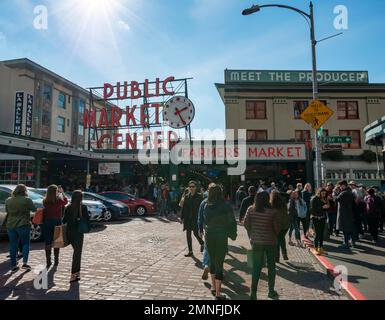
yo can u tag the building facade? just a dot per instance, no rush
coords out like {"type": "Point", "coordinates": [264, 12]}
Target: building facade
{"type": "Point", "coordinates": [268, 104]}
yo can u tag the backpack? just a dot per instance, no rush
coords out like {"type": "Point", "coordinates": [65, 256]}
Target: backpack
{"type": "Point", "coordinates": [372, 206]}
{"type": "Point", "coordinates": [302, 209]}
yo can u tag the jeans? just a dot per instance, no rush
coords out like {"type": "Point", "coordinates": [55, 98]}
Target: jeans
{"type": "Point", "coordinates": [189, 238]}
{"type": "Point", "coordinates": [347, 237]}
{"type": "Point", "coordinates": [281, 244]}
{"type": "Point", "coordinates": [206, 257]}
{"type": "Point", "coordinates": [217, 250]}
{"type": "Point", "coordinates": [259, 252]}
{"type": "Point", "coordinates": [294, 226]}
{"type": "Point", "coordinates": [305, 226]}
{"type": "Point", "coordinates": [373, 227]}
{"type": "Point", "coordinates": [23, 234]}
{"type": "Point", "coordinates": [319, 226]}
{"type": "Point", "coordinates": [332, 221]}
{"type": "Point", "coordinates": [49, 229]}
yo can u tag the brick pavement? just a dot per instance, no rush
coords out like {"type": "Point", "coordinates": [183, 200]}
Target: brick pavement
{"type": "Point", "coordinates": [143, 258]}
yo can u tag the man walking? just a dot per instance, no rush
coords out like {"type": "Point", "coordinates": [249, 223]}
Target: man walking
{"type": "Point", "coordinates": [189, 216]}
{"type": "Point", "coordinates": [247, 202]}
{"type": "Point", "coordinates": [345, 217]}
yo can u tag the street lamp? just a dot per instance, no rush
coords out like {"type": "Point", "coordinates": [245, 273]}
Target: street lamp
{"type": "Point", "coordinates": [310, 18]}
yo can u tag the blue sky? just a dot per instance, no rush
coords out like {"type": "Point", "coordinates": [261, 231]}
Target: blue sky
{"type": "Point", "coordinates": [134, 40]}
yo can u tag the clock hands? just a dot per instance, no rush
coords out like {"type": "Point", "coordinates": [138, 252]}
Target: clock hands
{"type": "Point", "coordinates": [178, 113]}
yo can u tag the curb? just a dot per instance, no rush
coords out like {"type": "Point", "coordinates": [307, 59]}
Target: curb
{"type": "Point", "coordinates": [347, 286]}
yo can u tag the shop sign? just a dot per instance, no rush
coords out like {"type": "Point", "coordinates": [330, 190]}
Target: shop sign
{"type": "Point", "coordinates": [28, 116]}
{"type": "Point", "coordinates": [285, 76]}
{"type": "Point", "coordinates": [19, 103]}
{"type": "Point", "coordinates": [109, 168]}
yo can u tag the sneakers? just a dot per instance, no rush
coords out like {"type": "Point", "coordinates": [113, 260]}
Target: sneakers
{"type": "Point", "coordinates": [14, 268]}
{"type": "Point", "coordinates": [322, 251]}
{"type": "Point", "coordinates": [26, 267]}
{"type": "Point", "coordinates": [190, 254]}
{"type": "Point", "coordinates": [273, 294]}
{"type": "Point", "coordinates": [317, 251]}
{"type": "Point", "coordinates": [205, 274]}
{"type": "Point", "coordinates": [220, 297]}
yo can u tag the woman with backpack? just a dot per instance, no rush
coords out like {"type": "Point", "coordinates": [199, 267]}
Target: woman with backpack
{"type": "Point", "coordinates": [54, 203]}
{"type": "Point", "coordinates": [373, 211]}
{"type": "Point", "coordinates": [219, 225]}
{"type": "Point", "coordinates": [77, 220]}
{"type": "Point", "coordinates": [319, 206]}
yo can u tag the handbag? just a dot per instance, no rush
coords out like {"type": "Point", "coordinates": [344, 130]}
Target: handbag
{"type": "Point", "coordinates": [60, 237]}
{"type": "Point", "coordinates": [38, 217]}
{"type": "Point", "coordinates": [84, 226]}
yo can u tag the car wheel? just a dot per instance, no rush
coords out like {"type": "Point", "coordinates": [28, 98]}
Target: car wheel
{"type": "Point", "coordinates": [107, 216]}
{"type": "Point", "coordinates": [141, 211]}
{"type": "Point", "coordinates": [36, 233]}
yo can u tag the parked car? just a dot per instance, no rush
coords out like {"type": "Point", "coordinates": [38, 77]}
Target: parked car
{"type": "Point", "coordinates": [116, 208]}
{"type": "Point", "coordinates": [96, 210]}
{"type": "Point", "coordinates": [37, 199]}
{"type": "Point", "coordinates": [137, 205]}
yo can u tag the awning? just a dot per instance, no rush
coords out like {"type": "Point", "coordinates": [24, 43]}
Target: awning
{"type": "Point", "coordinates": [7, 156]}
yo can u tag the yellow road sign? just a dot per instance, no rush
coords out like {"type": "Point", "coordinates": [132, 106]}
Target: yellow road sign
{"type": "Point", "coordinates": [316, 114]}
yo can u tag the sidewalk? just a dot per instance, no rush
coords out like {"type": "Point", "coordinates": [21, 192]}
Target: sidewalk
{"type": "Point", "coordinates": [143, 258]}
{"type": "Point", "coordinates": [365, 264]}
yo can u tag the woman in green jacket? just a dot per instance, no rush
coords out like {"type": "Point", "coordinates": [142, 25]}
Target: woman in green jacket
{"type": "Point", "coordinates": [18, 224]}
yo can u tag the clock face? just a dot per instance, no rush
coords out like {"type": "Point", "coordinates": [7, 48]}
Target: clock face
{"type": "Point", "coordinates": [178, 112]}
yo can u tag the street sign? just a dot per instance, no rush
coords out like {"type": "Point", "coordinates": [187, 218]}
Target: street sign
{"type": "Point", "coordinates": [337, 140]}
{"type": "Point", "coordinates": [331, 147]}
{"type": "Point", "coordinates": [316, 114]}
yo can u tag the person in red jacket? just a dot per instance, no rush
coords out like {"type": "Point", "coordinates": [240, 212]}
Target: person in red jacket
{"type": "Point", "coordinates": [53, 203]}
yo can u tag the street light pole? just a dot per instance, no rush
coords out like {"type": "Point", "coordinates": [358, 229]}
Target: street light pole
{"type": "Point", "coordinates": [310, 16]}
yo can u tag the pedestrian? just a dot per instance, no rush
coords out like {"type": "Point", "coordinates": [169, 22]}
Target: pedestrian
{"type": "Point", "coordinates": [219, 225]}
{"type": "Point", "coordinates": [373, 211]}
{"type": "Point", "coordinates": [247, 202]}
{"type": "Point", "coordinates": [18, 223]}
{"type": "Point", "coordinates": [380, 196]}
{"type": "Point", "coordinates": [54, 203]}
{"type": "Point", "coordinates": [332, 211]}
{"type": "Point", "coordinates": [72, 215]}
{"type": "Point", "coordinates": [190, 208]}
{"type": "Point", "coordinates": [319, 206]}
{"type": "Point", "coordinates": [279, 204]}
{"type": "Point", "coordinates": [307, 193]}
{"type": "Point", "coordinates": [359, 211]}
{"type": "Point", "coordinates": [262, 225]}
{"type": "Point", "coordinates": [299, 187]}
{"type": "Point", "coordinates": [345, 217]}
{"type": "Point", "coordinates": [206, 258]}
{"type": "Point", "coordinates": [239, 196]}
{"type": "Point", "coordinates": [293, 215]}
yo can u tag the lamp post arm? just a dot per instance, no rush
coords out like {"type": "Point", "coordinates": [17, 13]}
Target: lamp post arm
{"type": "Point", "coordinates": [287, 7]}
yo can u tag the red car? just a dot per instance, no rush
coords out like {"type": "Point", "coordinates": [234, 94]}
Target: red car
{"type": "Point", "coordinates": [137, 206]}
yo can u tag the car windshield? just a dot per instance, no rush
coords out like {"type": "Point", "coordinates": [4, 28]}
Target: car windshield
{"type": "Point", "coordinates": [97, 196]}
{"type": "Point", "coordinates": [34, 196]}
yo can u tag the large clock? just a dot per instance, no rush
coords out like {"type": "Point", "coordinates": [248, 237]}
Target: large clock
{"type": "Point", "coordinates": [178, 112]}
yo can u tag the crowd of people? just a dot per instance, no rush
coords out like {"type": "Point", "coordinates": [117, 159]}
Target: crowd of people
{"type": "Point", "coordinates": [271, 216]}
{"type": "Point", "coordinates": [271, 213]}
{"type": "Point", "coordinates": [55, 213]}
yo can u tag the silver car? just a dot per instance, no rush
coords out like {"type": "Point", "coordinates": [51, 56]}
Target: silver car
{"type": "Point", "coordinates": [96, 210]}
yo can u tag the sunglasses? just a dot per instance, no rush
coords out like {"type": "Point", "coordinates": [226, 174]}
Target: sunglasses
{"type": "Point", "coordinates": [192, 186]}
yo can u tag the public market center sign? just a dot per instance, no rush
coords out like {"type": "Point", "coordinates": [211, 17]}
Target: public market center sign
{"type": "Point", "coordinates": [277, 76]}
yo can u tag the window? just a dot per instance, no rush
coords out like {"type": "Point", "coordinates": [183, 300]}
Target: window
{"type": "Point", "coordinates": [302, 135]}
{"type": "Point", "coordinates": [82, 105]}
{"type": "Point", "coordinates": [299, 107]}
{"type": "Point", "coordinates": [255, 109]}
{"type": "Point", "coordinates": [117, 196]}
{"type": "Point", "coordinates": [356, 138]}
{"type": "Point", "coordinates": [92, 133]}
{"type": "Point", "coordinates": [81, 130]}
{"type": "Point", "coordinates": [62, 100]}
{"type": "Point", "coordinates": [46, 118]}
{"type": "Point", "coordinates": [4, 195]}
{"type": "Point", "coordinates": [347, 110]}
{"type": "Point", "coordinates": [256, 135]}
{"type": "Point", "coordinates": [60, 124]}
{"type": "Point", "coordinates": [47, 92]}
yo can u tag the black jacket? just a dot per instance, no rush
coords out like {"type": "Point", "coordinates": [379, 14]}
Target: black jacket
{"type": "Point", "coordinates": [71, 218]}
{"type": "Point", "coordinates": [219, 220]}
{"type": "Point", "coordinates": [190, 211]}
{"type": "Point", "coordinates": [245, 204]}
{"type": "Point", "coordinates": [316, 209]}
